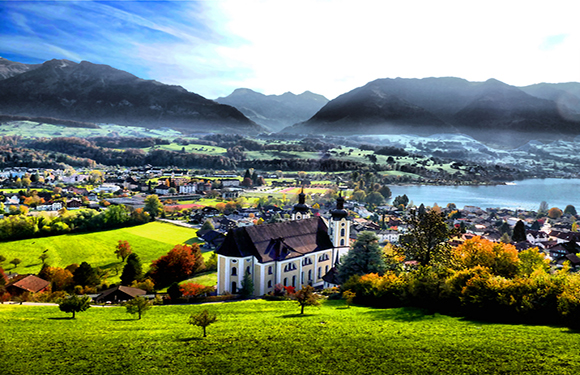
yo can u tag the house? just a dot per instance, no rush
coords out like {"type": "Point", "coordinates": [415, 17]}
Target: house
{"type": "Point", "coordinates": [292, 253]}
{"type": "Point", "coordinates": [119, 293]}
{"type": "Point", "coordinates": [28, 284]}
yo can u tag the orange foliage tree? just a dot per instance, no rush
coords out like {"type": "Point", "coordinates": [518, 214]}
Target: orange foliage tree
{"type": "Point", "coordinates": [194, 289]}
{"type": "Point", "coordinates": [178, 264]}
{"type": "Point", "coordinates": [501, 259]}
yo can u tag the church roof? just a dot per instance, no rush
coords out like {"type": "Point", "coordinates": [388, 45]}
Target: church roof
{"type": "Point", "coordinates": [277, 241]}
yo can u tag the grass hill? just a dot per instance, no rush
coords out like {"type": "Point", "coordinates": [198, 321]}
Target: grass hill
{"type": "Point", "coordinates": [267, 337]}
{"type": "Point", "coordinates": [149, 241]}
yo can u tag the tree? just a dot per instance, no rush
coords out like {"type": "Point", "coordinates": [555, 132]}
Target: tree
{"type": "Point", "coordinates": [178, 264]}
{"type": "Point", "coordinates": [385, 191]}
{"type": "Point", "coordinates": [364, 257]}
{"type": "Point", "coordinates": [153, 206]}
{"type": "Point", "coordinates": [74, 304]}
{"type": "Point", "coordinates": [427, 240]}
{"type": "Point", "coordinates": [85, 275]}
{"type": "Point", "coordinates": [500, 258]}
{"type": "Point", "coordinates": [202, 319]}
{"type": "Point", "coordinates": [194, 289]}
{"type": "Point", "coordinates": [247, 289]}
{"type": "Point", "coordinates": [2, 259]}
{"type": "Point", "coordinates": [543, 210]}
{"type": "Point", "coordinates": [15, 262]}
{"type": "Point", "coordinates": [207, 225]}
{"type": "Point", "coordinates": [123, 250]}
{"type": "Point", "coordinates": [138, 305]}
{"type": "Point", "coordinates": [570, 210]}
{"type": "Point", "coordinates": [519, 234]}
{"type": "Point", "coordinates": [348, 296]}
{"type": "Point", "coordinates": [132, 271]}
{"type": "Point", "coordinates": [555, 213]}
{"type": "Point", "coordinates": [375, 198]}
{"type": "Point", "coordinates": [306, 297]}
{"type": "Point", "coordinates": [401, 200]}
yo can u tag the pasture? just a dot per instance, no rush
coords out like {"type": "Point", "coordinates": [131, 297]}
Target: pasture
{"type": "Point", "coordinates": [149, 241]}
{"type": "Point", "coordinates": [271, 337]}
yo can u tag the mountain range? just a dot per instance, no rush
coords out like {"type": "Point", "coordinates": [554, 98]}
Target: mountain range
{"type": "Point", "coordinates": [99, 93]}
{"type": "Point", "coordinates": [275, 112]}
{"type": "Point", "coordinates": [490, 111]}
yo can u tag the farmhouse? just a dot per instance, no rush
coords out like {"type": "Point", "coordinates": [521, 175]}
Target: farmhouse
{"type": "Point", "coordinates": [119, 293]}
{"type": "Point", "coordinates": [291, 253]}
{"type": "Point", "coordinates": [30, 284]}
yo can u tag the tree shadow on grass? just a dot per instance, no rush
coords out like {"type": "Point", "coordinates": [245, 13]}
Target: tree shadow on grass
{"type": "Point", "coordinates": [61, 318]}
{"type": "Point", "coordinates": [188, 339]}
{"type": "Point", "coordinates": [32, 265]}
{"type": "Point", "coordinates": [401, 314]}
{"type": "Point", "coordinates": [125, 320]}
{"type": "Point", "coordinates": [296, 315]}
{"type": "Point", "coordinates": [193, 240]}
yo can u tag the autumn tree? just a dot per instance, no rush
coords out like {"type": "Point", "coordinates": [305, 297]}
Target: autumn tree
{"type": "Point", "coordinates": [555, 213]}
{"type": "Point", "coordinates": [123, 250]}
{"type": "Point", "coordinates": [501, 259]}
{"type": "Point", "coordinates": [60, 278]}
{"type": "Point", "coordinates": [365, 256]}
{"type": "Point", "coordinates": [132, 271]}
{"type": "Point", "coordinates": [74, 304]}
{"type": "Point", "coordinates": [153, 206]}
{"type": "Point", "coordinates": [194, 289]}
{"type": "Point", "coordinates": [138, 305]}
{"type": "Point", "coordinates": [203, 320]}
{"type": "Point", "coordinates": [178, 264]}
{"type": "Point", "coordinates": [306, 297]}
{"type": "Point", "coordinates": [427, 239]}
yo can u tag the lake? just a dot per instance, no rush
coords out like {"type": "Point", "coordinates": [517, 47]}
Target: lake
{"type": "Point", "coordinates": [525, 194]}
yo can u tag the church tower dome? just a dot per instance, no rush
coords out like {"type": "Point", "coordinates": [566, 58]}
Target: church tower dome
{"type": "Point", "coordinates": [301, 210]}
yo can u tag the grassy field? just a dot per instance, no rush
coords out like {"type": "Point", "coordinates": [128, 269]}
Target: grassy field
{"type": "Point", "coordinates": [261, 337]}
{"type": "Point", "coordinates": [149, 241]}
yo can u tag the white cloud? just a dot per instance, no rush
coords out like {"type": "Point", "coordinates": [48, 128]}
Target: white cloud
{"type": "Point", "coordinates": [331, 47]}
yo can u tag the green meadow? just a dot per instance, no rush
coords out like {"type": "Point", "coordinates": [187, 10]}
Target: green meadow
{"type": "Point", "coordinates": [267, 337]}
{"type": "Point", "coordinates": [149, 241]}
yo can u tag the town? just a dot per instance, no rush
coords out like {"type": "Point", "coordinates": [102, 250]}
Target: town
{"type": "Point", "coordinates": [216, 203]}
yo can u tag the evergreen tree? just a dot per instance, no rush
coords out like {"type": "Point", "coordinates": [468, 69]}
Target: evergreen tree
{"type": "Point", "coordinates": [364, 257]}
{"type": "Point", "coordinates": [247, 289]}
{"type": "Point", "coordinates": [132, 271]}
{"type": "Point", "coordinates": [85, 275]}
{"type": "Point", "coordinates": [519, 234]}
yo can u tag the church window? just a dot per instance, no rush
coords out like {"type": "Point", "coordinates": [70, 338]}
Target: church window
{"type": "Point", "coordinates": [323, 258]}
{"type": "Point", "coordinates": [234, 271]}
{"type": "Point", "coordinates": [285, 281]}
{"type": "Point", "coordinates": [319, 272]}
{"type": "Point", "coordinates": [269, 283]}
{"type": "Point", "coordinates": [309, 275]}
{"type": "Point", "coordinates": [248, 270]}
{"type": "Point", "coordinates": [294, 281]}
{"type": "Point", "coordinates": [269, 270]}
{"type": "Point", "coordinates": [342, 242]}
{"type": "Point", "coordinates": [342, 232]}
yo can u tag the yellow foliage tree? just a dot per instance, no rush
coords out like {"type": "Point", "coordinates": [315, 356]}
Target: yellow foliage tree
{"type": "Point", "coordinates": [500, 258]}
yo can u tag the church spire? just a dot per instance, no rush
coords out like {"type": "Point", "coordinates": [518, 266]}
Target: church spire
{"type": "Point", "coordinates": [301, 210]}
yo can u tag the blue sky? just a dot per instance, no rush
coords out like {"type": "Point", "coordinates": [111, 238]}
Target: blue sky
{"type": "Point", "coordinates": [329, 47]}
